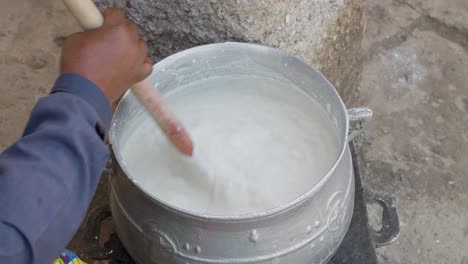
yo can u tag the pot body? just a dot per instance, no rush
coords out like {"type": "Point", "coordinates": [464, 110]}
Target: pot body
{"type": "Point", "coordinates": [306, 230]}
{"type": "Point", "coordinates": [307, 233]}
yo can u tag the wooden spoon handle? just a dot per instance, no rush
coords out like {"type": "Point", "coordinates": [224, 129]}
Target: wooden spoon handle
{"type": "Point", "coordinates": [89, 16]}
{"type": "Point", "coordinates": [86, 12]}
{"type": "Point", "coordinates": [167, 122]}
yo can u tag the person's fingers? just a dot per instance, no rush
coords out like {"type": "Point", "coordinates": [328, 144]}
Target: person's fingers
{"type": "Point", "coordinates": [143, 50]}
{"type": "Point", "coordinates": [133, 29]}
{"type": "Point", "coordinates": [71, 44]}
{"type": "Point", "coordinates": [74, 36]}
{"type": "Point", "coordinates": [146, 70]}
{"type": "Point", "coordinates": [113, 17]}
{"type": "Point", "coordinates": [72, 39]}
{"type": "Point", "coordinates": [149, 61]}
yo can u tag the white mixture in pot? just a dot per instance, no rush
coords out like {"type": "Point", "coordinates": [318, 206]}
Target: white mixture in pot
{"type": "Point", "coordinates": [259, 144]}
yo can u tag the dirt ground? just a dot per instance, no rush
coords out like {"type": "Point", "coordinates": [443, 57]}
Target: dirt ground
{"type": "Point", "coordinates": [415, 78]}
{"type": "Point", "coordinates": [30, 39]}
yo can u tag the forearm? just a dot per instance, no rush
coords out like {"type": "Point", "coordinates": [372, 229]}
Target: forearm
{"type": "Point", "coordinates": [49, 176]}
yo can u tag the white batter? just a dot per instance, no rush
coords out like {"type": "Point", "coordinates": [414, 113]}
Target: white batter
{"type": "Point", "coordinates": [259, 143]}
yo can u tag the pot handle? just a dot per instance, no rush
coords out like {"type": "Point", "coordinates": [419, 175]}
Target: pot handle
{"type": "Point", "coordinates": [390, 224]}
{"type": "Point", "coordinates": [358, 118]}
{"type": "Point", "coordinates": [108, 170]}
{"type": "Point", "coordinates": [94, 220]}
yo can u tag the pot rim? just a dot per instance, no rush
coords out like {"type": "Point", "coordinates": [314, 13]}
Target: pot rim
{"type": "Point", "coordinates": [250, 216]}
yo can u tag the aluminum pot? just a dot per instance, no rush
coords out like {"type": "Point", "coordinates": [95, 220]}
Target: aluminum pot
{"type": "Point", "coordinates": [306, 230]}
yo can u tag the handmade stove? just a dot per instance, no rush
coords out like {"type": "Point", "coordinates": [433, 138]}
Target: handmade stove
{"type": "Point", "coordinates": [358, 245]}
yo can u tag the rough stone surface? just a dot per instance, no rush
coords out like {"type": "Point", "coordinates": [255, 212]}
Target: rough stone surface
{"type": "Point", "coordinates": [326, 34]}
{"type": "Point", "coordinates": [415, 77]}
{"type": "Point", "coordinates": [452, 13]}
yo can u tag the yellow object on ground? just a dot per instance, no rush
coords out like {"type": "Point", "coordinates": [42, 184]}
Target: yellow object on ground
{"type": "Point", "coordinates": [68, 257]}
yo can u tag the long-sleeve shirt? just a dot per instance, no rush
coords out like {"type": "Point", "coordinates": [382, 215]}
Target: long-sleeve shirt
{"type": "Point", "coordinates": [48, 177]}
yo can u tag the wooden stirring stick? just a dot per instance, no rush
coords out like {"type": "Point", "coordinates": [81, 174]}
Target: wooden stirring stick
{"type": "Point", "coordinates": [155, 105]}
{"type": "Point", "coordinates": [90, 18]}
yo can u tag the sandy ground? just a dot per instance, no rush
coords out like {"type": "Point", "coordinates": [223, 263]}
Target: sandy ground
{"type": "Point", "coordinates": [415, 78]}
{"type": "Point", "coordinates": [30, 39]}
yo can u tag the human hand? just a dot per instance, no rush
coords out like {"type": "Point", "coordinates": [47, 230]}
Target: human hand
{"type": "Point", "coordinates": [113, 56]}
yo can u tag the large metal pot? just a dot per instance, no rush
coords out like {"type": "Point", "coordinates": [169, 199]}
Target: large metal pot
{"type": "Point", "coordinates": [306, 230]}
